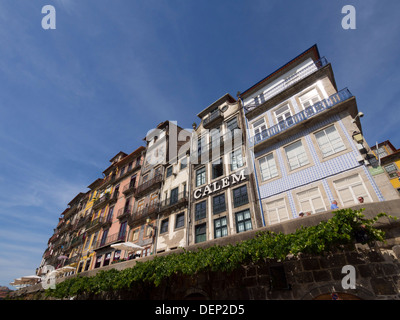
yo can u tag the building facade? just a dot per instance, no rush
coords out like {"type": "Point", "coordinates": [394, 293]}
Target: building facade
{"type": "Point", "coordinates": [222, 197]}
{"type": "Point", "coordinates": [388, 162]}
{"type": "Point", "coordinates": [306, 141]}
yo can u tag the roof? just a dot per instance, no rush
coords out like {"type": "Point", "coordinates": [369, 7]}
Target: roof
{"type": "Point", "coordinates": [223, 99]}
{"type": "Point", "coordinates": [313, 51]}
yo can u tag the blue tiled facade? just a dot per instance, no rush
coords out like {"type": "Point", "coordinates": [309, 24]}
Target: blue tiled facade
{"type": "Point", "coordinates": [319, 171]}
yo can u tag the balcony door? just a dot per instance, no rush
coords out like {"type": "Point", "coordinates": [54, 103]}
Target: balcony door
{"type": "Point", "coordinates": [260, 130]}
{"type": "Point", "coordinates": [174, 196]}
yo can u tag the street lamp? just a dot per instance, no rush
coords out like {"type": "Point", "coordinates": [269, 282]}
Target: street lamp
{"type": "Point", "coordinates": [359, 115]}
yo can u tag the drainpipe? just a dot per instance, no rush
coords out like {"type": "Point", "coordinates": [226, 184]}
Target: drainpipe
{"type": "Point", "coordinates": [188, 218]}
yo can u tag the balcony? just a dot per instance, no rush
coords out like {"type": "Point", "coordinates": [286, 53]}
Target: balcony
{"type": "Point", "coordinates": [128, 189]}
{"type": "Point", "coordinates": [77, 240]}
{"type": "Point", "coordinates": [124, 212]}
{"type": "Point", "coordinates": [288, 82]}
{"type": "Point", "coordinates": [114, 238]}
{"type": "Point", "coordinates": [174, 202]}
{"type": "Point", "coordinates": [148, 185]}
{"type": "Point", "coordinates": [104, 200]}
{"type": "Point", "coordinates": [140, 215]}
{"type": "Point", "coordinates": [307, 113]}
{"type": "Point", "coordinates": [94, 224]}
{"type": "Point", "coordinates": [212, 118]}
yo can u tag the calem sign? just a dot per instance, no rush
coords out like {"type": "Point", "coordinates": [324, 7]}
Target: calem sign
{"type": "Point", "coordinates": [221, 184]}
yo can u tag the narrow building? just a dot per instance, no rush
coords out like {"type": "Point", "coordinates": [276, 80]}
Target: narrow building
{"type": "Point", "coordinates": [222, 198]}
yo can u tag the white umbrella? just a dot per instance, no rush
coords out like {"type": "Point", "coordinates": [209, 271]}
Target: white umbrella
{"type": "Point", "coordinates": [31, 279]}
{"type": "Point", "coordinates": [127, 246]}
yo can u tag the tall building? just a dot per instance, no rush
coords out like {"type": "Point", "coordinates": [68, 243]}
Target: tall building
{"type": "Point", "coordinates": [307, 142]}
{"type": "Point", "coordinates": [150, 197]}
{"type": "Point", "coordinates": [222, 197]}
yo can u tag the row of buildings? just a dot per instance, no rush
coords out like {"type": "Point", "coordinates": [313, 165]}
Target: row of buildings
{"type": "Point", "coordinates": [290, 143]}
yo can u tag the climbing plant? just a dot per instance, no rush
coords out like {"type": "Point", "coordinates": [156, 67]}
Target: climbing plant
{"type": "Point", "coordinates": [346, 226]}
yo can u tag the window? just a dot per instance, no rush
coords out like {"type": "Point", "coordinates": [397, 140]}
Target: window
{"type": "Point", "coordinates": [311, 200]}
{"type": "Point", "coordinates": [200, 210]}
{"type": "Point", "coordinates": [215, 137]}
{"type": "Point", "coordinates": [201, 176]}
{"type": "Point", "coordinates": [110, 214]}
{"type": "Point", "coordinates": [104, 237]}
{"type": "Point", "coordinates": [231, 126]}
{"type": "Point", "coordinates": [200, 144]}
{"type": "Point", "coordinates": [153, 199]}
{"type": "Point", "coordinates": [219, 204]}
{"type": "Point", "coordinates": [135, 234]}
{"type": "Point", "coordinates": [217, 168]}
{"type": "Point", "coordinates": [169, 171]}
{"type": "Point", "coordinates": [183, 163]}
{"type": "Point", "coordinates": [174, 196]}
{"type": "Point", "coordinates": [350, 188]}
{"type": "Point", "coordinates": [180, 220]}
{"type": "Point", "coordinates": [87, 265]}
{"type": "Point", "coordinates": [107, 259]}
{"type": "Point", "coordinates": [200, 233]}
{"type": "Point", "coordinates": [122, 231]}
{"type": "Point", "coordinates": [129, 166]}
{"type": "Point", "coordinates": [296, 155]}
{"type": "Point", "coordinates": [391, 169]}
{"type": "Point", "coordinates": [268, 168]}
{"type": "Point", "coordinates": [164, 226]}
{"type": "Point", "coordinates": [236, 159]}
{"type": "Point", "coordinates": [277, 211]}
{"type": "Point", "coordinates": [329, 141]}
{"type": "Point", "coordinates": [220, 228]}
{"type": "Point", "coordinates": [283, 116]}
{"type": "Point", "coordinates": [260, 130]}
{"type": "Point", "coordinates": [240, 196]}
{"type": "Point", "coordinates": [122, 171]}
{"type": "Point", "coordinates": [310, 98]}
{"type": "Point", "coordinates": [243, 221]}
{"type": "Point", "coordinates": [381, 152]}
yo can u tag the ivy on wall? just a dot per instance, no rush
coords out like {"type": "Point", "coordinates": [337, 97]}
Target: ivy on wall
{"type": "Point", "coordinates": [345, 227]}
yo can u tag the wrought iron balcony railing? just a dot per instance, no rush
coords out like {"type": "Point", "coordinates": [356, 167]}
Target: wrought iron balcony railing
{"type": "Point", "coordinates": [307, 113]}
{"type": "Point", "coordinates": [174, 201]}
{"type": "Point", "coordinates": [148, 185]}
{"type": "Point", "coordinates": [116, 237]}
{"type": "Point", "coordinates": [124, 212]}
{"type": "Point", "coordinates": [140, 214]}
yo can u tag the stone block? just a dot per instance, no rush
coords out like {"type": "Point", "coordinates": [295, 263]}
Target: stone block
{"type": "Point", "coordinates": [383, 286]}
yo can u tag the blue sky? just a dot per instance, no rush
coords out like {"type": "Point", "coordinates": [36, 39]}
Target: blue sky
{"type": "Point", "coordinates": [71, 98]}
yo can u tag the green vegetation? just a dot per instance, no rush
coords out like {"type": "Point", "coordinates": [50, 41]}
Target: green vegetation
{"type": "Point", "coordinates": [345, 227]}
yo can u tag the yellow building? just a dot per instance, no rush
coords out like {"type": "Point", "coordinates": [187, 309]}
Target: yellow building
{"type": "Point", "coordinates": [389, 158]}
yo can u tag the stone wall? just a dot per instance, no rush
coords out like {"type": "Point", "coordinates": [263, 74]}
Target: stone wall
{"type": "Point", "coordinates": [377, 271]}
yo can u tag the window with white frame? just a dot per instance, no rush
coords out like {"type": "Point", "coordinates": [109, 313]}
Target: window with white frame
{"type": "Point", "coordinates": [310, 98]}
{"type": "Point", "coordinates": [391, 169]}
{"type": "Point", "coordinates": [277, 211]}
{"type": "Point", "coordinates": [329, 141]}
{"type": "Point", "coordinates": [200, 176]}
{"type": "Point", "coordinates": [350, 188]}
{"type": "Point", "coordinates": [260, 129]}
{"type": "Point", "coordinates": [268, 168]}
{"type": "Point", "coordinates": [237, 159]}
{"type": "Point", "coordinates": [296, 155]}
{"type": "Point", "coordinates": [311, 200]}
{"type": "Point", "coordinates": [284, 114]}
